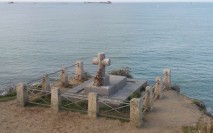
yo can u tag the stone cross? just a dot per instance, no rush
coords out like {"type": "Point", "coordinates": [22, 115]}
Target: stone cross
{"type": "Point", "coordinates": [101, 61]}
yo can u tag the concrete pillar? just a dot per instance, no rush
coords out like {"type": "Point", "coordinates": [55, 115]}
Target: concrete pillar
{"type": "Point", "coordinates": [45, 82]}
{"type": "Point", "coordinates": [79, 71]}
{"type": "Point", "coordinates": [158, 91]}
{"type": "Point", "coordinates": [149, 99]}
{"type": "Point", "coordinates": [64, 77]}
{"type": "Point", "coordinates": [22, 94]}
{"type": "Point", "coordinates": [93, 106]}
{"type": "Point", "coordinates": [166, 79]}
{"type": "Point", "coordinates": [136, 115]}
{"type": "Point", "coordinates": [55, 99]}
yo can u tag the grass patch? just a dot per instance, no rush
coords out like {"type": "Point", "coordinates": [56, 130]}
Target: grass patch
{"type": "Point", "coordinates": [188, 129]}
{"type": "Point", "coordinates": [134, 95]}
{"type": "Point", "coordinates": [8, 97]}
{"type": "Point", "coordinates": [199, 128]}
{"type": "Point", "coordinates": [125, 71]}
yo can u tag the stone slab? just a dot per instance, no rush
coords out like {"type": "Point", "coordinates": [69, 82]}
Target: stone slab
{"type": "Point", "coordinates": [116, 83]}
{"type": "Point", "coordinates": [80, 87]}
{"type": "Point", "coordinates": [133, 85]}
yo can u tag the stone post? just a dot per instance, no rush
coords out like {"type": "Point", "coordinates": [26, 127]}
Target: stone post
{"type": "Point", "coordinates": [149, 99]}
{"type": "Point", "coordinates": [45, 82]}
{"type": "Point", "coordinates": [166, 79]}
{"type": "Point", "coordinates": [158, 91]}
{"type": "Point", "coordinates": [136, 115]}
{"type": "Point", "coordinates": [79, 70]}
{"type": "Point", "coordinates": [55, 99]}
{"type": "Point", "coordinates": [22, 94]}
{"type": "Point", "coordinates": [93, 106]}
{"type": "Point", "coordinates": [64, 77]}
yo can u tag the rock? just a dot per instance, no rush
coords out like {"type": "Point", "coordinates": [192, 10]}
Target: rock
{"type": "Point", "coordinates": [176, 88]}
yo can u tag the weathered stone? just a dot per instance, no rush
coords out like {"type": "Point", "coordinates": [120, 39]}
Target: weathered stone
{"type": "Point", "coordinates": [93, 106]}
{"type": "Point", "coordinates": [116, 83]}
{"type": "Point", "coordinates": [79, 70]}
{"type": "Point", "coordinates": [45, 82]}
{"type": "Point", "coordinates": [55, 99]}
{"type": "Point", "coordinates": [149, 98]}
{"type": "Point", "coordinates": [158, 91]}
{"type": "Point", "coordinates": [102, 62]}
{"type": "Point", "coordinates": [64, 78]}
{"type": "Point", "coordinates": [166, 79]}
{"type": "Point", "coordinates": [136, 116]}
{"type": "Point", "coordinates": [22, 94]}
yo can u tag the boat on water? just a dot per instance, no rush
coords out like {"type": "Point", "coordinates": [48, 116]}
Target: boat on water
{"type": "Point", "coordinates": [11, 2]}
{"type": "Point", "coordinates": [103, 2]}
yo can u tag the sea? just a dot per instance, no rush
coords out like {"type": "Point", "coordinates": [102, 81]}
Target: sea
{"type": "Point", "coordinates": [39, 38]}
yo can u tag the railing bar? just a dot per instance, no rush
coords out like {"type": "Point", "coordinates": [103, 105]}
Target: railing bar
{"type": "Point", "coordinates": [38, 79]}
{"type": "Point", "coordinates": [112, 108]}
{"type": "Point", "coordinates": [122, 118]}
{"type": "Point", "coordinates": [50, 74]}
{"type": "Point", "coordinates": [74, 103]}
{"type": "Point", "coordinates": [116, 108]}
{"type": "Point", "coordinates": [39, 104]}
{"type": "Point", "coordinates": [71, 66]}
{"type": "Point", "coordinates": [73, 109]}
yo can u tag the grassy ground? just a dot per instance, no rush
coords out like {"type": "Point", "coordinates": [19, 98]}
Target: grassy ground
{"type": "Point", "coordinates": [8, 97]}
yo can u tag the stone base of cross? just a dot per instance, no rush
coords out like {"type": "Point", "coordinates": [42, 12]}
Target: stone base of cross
{"type": "Point", "coordinates": [102, 62]}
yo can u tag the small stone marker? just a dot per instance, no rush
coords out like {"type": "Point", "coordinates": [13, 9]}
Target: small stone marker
{"type": "Point", "coordinates": [166, 79]}
{"type": "Point", "coordinates": [22, 94]}
{"type": "Point", "coordinates": [158, 91]}
{"type": "Point", "coordinates": [149, 99]}
{"type": "Point", "coordinates": [102, 62]}
{"type": "Point", "coordinates": [64, 77]}
{"type": "Point", "coordinates": [93, 107]}
{"type": "Point", "coordinates": [136, 116]}
{"type": "Point", "coordinates": [55, 99]}
{"type": "Point", "coordinates": [79, 70]}
{"type": "Point", "coordinates": [45, 82]}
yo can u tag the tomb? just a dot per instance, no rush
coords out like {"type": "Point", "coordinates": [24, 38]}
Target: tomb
{"type": "Point", "coordinates": [111, 85]}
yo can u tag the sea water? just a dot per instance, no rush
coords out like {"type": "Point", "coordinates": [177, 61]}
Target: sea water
{"type": "Point", "coordinates": [38, 38]}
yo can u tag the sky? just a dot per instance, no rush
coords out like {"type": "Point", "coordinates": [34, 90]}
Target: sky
{"type": "Point", "coordinates": [110, 0]}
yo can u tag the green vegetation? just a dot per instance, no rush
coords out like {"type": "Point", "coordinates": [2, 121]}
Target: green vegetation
{"type": "Point", "coordinates": [199, 128]}
{"type": "Point", "coordinates": [200, 104]}
{"type": "Point", "coordinates": [134, 95]}
{"type": "Point", "coordinates": [126, 71]}
{"type": "Point", "coordinates": [8, 97]}
{"type": "Point", "coordinates": [189, 129]}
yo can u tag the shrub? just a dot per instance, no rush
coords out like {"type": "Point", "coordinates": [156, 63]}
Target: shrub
{"type": "Point", "coordinates": [134, 95]}
{"type": "Point", "coordinates": [126, 71]}
{"type": "Point", "coordinates": [199, 103]}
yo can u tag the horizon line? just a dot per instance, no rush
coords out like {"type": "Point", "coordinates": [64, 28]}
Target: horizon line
{"type": "Point", "coordinates": [104, 1]}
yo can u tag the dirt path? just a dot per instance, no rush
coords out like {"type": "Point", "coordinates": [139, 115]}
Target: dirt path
{"type": "Point", "coordinates": [169, 115]}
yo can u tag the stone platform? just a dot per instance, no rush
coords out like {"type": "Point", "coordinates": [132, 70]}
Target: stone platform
{"type": "Point", "coordinates": [115, 83]}
{"type": "Point", "coordinates": [126, 88]}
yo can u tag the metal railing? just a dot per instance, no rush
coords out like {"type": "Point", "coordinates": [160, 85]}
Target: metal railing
{"type": "Point", "coordinates": [114, 108]}
{"type": "Point", "coordinates": [74, 102]}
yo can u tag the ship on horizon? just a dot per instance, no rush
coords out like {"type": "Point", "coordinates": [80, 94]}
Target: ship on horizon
{"type": "Point", "coordinates": [102, 2]}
